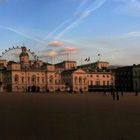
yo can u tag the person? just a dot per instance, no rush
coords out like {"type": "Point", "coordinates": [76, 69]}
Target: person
{"type": "Point", "coordinates": [122, 93]}
{"type": "Point", "coordinates": [117, 96]}
{"type": "Point", "coordinates": [81, 91]}
{"type": "Point", "coordinates": [68, 89]}
{"type": "Point", "coordinates": [104, 92]}
{"type": "Point", "coordinates": [113, 95]}
{"type": "Point", "coordinates": [136, 93]}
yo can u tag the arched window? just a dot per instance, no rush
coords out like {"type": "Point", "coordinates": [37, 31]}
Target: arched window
{"type": "Point", "coordinates": [16, 78]}
{"type": "Point", "coordinates": [84, 80]}
{"type": "Point", "coordinates": [75, 79]}
{"type": "Point", "coordinates": [33, 78]}
{"type": "Point", "coordinates": [51, 79]}
{"type": "Point", "coordinates": [22, 79]}
{"type": "Point", "coordinates": [80, 80]}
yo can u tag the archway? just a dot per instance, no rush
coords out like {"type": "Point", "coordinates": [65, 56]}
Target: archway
{"type": "Point", "coordinates": [33, 88]}
{"type": "Point", "coordinates": [38, 89]}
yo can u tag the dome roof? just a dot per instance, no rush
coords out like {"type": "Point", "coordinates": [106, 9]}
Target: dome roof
{"type": "Point", "coordinates": [24, 54]}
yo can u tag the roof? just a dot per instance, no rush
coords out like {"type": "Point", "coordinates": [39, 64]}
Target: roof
{"type": "Point", "coordinates": [125, 67]}
{"type": "Point", "coordinates": [12, 62]}
{"type": "Point", "coordinates": [45, 64]}
{"type": "Point", "coordinates": [65, 62]}
{"type": "Point", "coordinates": [136, 66]}
{"type": "Point", "coordinates": [24, 54]}
{"type": "Point", "coordinates": [71, 71]}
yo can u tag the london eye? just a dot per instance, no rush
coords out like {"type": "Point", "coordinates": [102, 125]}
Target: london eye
{"type": "Point", "coordinates": [12, 54]}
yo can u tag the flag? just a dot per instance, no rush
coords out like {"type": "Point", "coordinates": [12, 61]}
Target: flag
{"type": "Point", "coordinates": [87, 59]}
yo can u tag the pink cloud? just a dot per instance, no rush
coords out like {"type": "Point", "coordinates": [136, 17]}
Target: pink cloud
{"type": "Point", "coordinates": [51, 53]}
{"type": "Point", "coordinates": [70, 50]}
{"type": "Point", "coordinates": [56, 43]}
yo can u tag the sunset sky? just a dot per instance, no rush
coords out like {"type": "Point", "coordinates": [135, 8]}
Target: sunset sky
{"type": "Point", "coordinates": [84, 28]}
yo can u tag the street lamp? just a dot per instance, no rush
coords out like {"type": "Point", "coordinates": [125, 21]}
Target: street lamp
{"type": "Point", "coordinates": [25, 79]}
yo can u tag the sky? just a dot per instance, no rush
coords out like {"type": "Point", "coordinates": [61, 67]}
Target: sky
{"type": "Point", "coordinates": [54, 29]}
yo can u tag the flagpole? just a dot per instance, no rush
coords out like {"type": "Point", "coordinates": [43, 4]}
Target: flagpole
{"type": "Point", "coordinates": [99, 58]}
{"type": "Point", "coordinates": [89, 64]}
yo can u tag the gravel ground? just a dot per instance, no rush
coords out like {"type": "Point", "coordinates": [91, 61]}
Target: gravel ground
{"type": "Point", "coordinates": [25, 116]}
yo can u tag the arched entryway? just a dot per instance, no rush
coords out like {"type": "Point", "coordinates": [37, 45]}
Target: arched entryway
{"type": "Point", "coordinates": [33, 88]}
{"type": "Point", "coordinates": [38, 89]}
{"type": "Point", "coordinates": [29, 89]}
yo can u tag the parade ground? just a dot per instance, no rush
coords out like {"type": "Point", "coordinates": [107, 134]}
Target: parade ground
{"type": "Point", "coordinates": [64, 116]}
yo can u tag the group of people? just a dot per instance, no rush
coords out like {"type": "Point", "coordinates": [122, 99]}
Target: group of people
{"type": "Point", "coordinates": [116, 95]}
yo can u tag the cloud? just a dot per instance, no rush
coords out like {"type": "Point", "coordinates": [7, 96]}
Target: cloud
{"type": "Point", "coordinates": [102, 41]}
{"type": "Point", "coordinates": [81, 16]}
{"type": "Point", "coordinates": [48, 53]}
{"type": "Point", "coordinates": [56, 43]}
{"type": "Point", "coordinates": [131, 34]}
{"type": "Point", "coordinates": [85, 8]}
{"type": "Point", "coordinates": [68, 50]}
{"type": "Point", "coordinates": [21, 34]}
{"type": "Point", "coordinates": [51, 53]}
{"type": "Point", "coordinates": [129, 7]}
{"type": "Point", "coordinates": [67, 21]}
{"type": "Point", "coordinates": [126, 35]}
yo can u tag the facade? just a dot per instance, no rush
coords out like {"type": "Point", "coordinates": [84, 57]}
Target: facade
{"type": "Point", "coordinates": [136, 77]}
{"type": "Point", "coordinates": [38, 76]}
{"type": "Point", "coordinates": [75, 79]}
{"type": "Point", "coordinates": [99, 65]}
{"type": "Point", "coordinates": [124, 78]}
{"type": "Point", "coordinates": [100, 80]}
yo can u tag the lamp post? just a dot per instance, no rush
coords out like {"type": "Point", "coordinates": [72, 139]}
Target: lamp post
{"type": "Point", "coordinates": [25, 79]}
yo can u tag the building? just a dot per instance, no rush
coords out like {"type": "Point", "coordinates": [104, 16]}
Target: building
{"type": "Point", "coordinates": [99, 65]}
{"type": "Point", "coordinates": [100, 80]}
{"type": "Point", "coordinates": [38, 76]}
{"type": "Point", "coordinates": [136, 77]}
{"type": "Point", "coordinates": [75, 79]}
{"type": "Point", "coordinates": [124, 78]}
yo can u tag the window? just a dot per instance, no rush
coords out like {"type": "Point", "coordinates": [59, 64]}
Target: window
{"type": "Point", "coordinates": [75, 80]}
{"type": "Point", "coordinates": [80, 80]}
{"type": "Point", "coordinates": [84, 80]}
{"type": "Point", "coordinates": [136, 83]}
{"type": "Point", "coordinates": [43, 80]}
{"type": "Point", "coordinates": [34, 79]}
{"type": "Point", "coordinates": [22, 79]}
{"type": "Point", "coordinates": [108, 83]}
{"type": "Point", "coordinates": [91, 83]}
{"type": "Point", "coordinates": [38, 79]}
{"type": "Point", "coordinates": [16, 78]}
{"type": "Point", "coordinates": [28, 79]}
{"type": "Point", "coordinates": [97, 83]}
{"type": "Point", "coordinates": [135, 73]}
{"type": "Point", "coordinates": [51, 79]}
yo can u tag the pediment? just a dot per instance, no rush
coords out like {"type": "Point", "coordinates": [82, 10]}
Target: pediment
{"type": "Point", "coordinates": [79, 71]}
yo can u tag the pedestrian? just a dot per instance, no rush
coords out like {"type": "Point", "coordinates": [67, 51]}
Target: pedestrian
{"type": "Point", "coordinates": [122, 93]}
{"type": "Point", "coordinates": [81, 91]}
{"type": "Point", "coordinates": [113, 95]}
{"type": "Point", "coordinates": [136, 93]}
{"type": "Point", "coordinates": [117, 97]}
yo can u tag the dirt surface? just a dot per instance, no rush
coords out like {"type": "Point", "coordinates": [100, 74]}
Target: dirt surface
{"type": "Point", "coordinates": [69, 117]}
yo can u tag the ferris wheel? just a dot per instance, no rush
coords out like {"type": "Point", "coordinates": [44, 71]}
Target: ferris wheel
{"type": "Point", "coordinates": [12, 54]}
